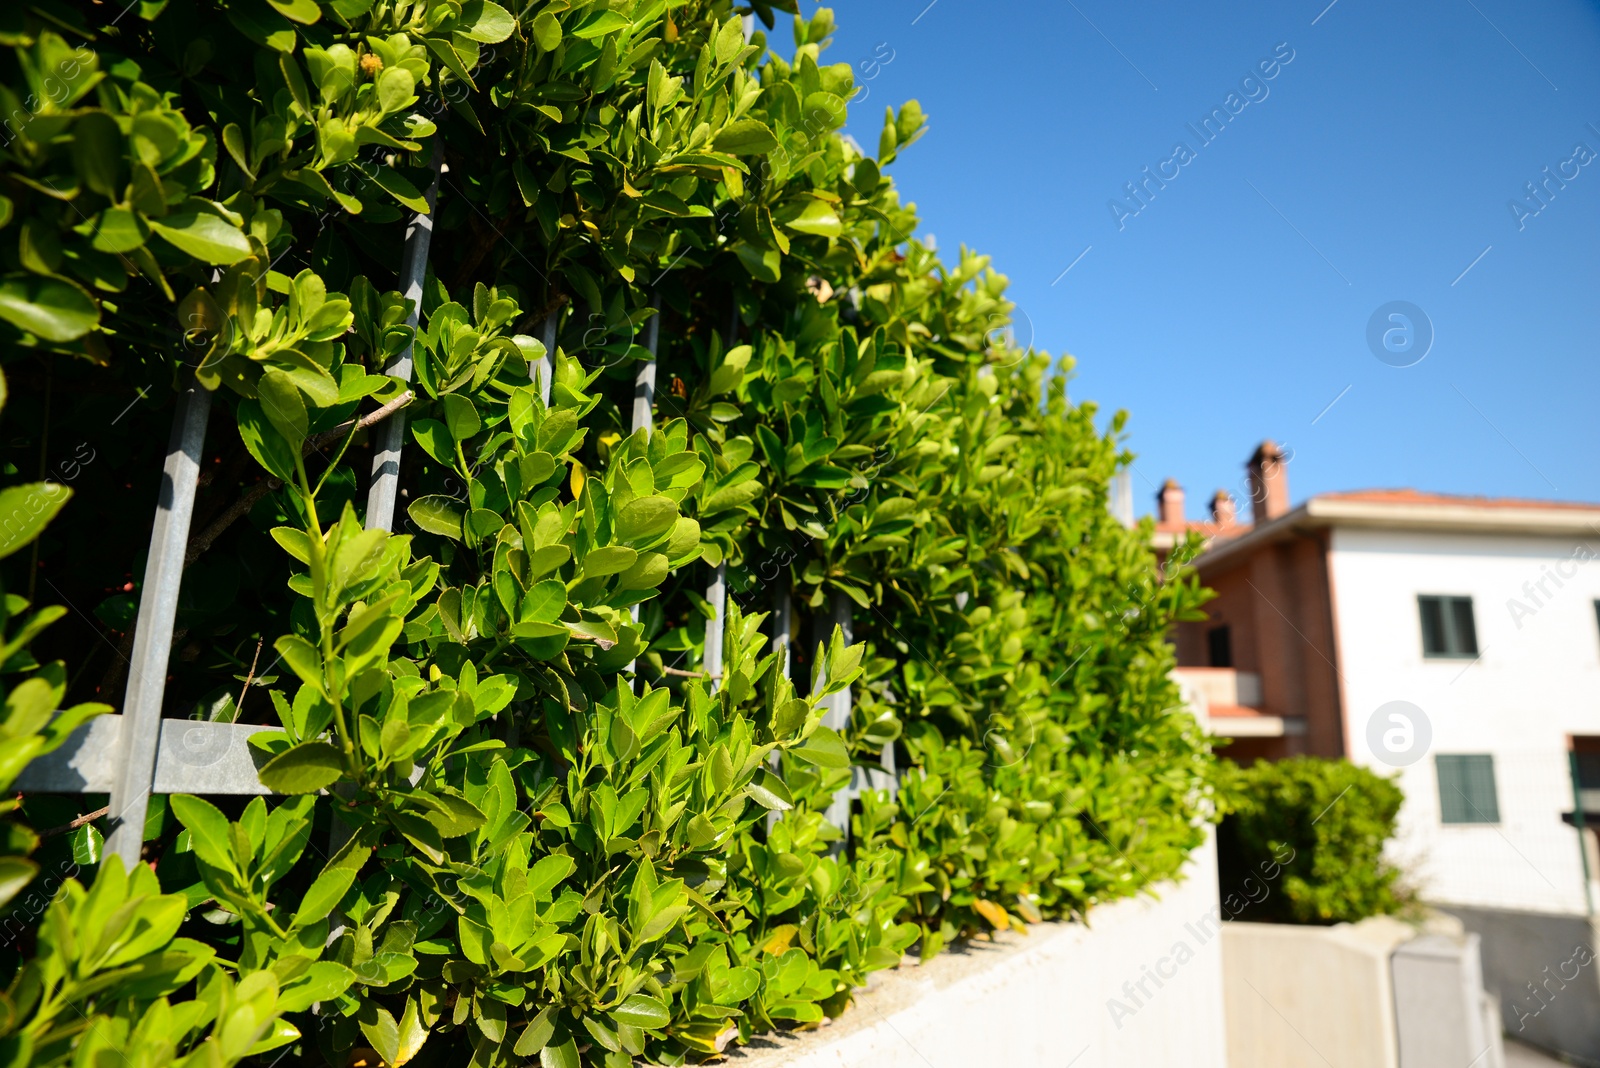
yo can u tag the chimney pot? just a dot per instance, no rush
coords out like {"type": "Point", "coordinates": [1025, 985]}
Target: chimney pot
{"type": "Point", "coordinates": [1169, 503]}
{"type": "Point", "coordinates": [1224, 513]}
{"type": "Point", "coordinates": [1269, 482]}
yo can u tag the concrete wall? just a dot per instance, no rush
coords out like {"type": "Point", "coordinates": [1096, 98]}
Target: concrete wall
{"type": "Point", "coordinates": [1536, 682]}
{"type": "Point", "coordinates": [1376, 994]}
{"type": "Point", "coordinates": [1535, 965]}
{"type": "Point", "coordinates": [1141, 986]}
{"type": "Point", "coordinates": [1443, 1017]}
{"type": "Point", "coordinates": [1311, 997]}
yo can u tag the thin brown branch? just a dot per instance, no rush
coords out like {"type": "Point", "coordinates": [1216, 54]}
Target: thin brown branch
{"type": "Point", "coordinates": [202, 541]}
{"type": "Point", "coordinates": [682, 674]}
{"type": "Point", "coordinates": [238, 706]}
{"type": "Point", "coordinates": [88, 817]}
{"type": "Point", "coordinates": [377, 416]}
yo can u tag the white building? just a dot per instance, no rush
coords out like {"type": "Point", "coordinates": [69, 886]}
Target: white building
{"type": "Point", "coordinates": [1454, 641]}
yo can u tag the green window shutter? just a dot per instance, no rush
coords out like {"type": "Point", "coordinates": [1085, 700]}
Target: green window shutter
{"type": "Point", "coordinates": [1466, 788]}
{"type": "Point", "coordinates": [1463, 631]}
{"type": "Point", "coordinates": [1448, 628]}
{"type": "Point", "coordinates": [1432, 611]}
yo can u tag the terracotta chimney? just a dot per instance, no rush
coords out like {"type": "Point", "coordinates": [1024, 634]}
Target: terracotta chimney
{"type": "Point", "coordinates": [1169, 503]}
{"type": "Point", "coordinates": [1269, 482]}
{"type": "Point", "coordinates": [1224, 513]}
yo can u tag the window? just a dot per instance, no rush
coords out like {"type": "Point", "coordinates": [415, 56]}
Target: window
{"type": "Point", "coordinates": [1219, 647]}
{"type": "Point", "coordinates": [1447, 627]}
{"type": "Point", "coordinates": [1466, 788]}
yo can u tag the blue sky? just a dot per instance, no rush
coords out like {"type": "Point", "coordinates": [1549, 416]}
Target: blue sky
{"type": "Point", "coordinates": [1376, 165]}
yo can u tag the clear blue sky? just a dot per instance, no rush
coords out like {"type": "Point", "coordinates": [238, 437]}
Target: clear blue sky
{"type": "Point", "coordinates": [1377, 167]}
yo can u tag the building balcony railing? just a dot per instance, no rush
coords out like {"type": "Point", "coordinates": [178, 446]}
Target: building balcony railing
{"type": "Point", "coordinates": [1230, 702]}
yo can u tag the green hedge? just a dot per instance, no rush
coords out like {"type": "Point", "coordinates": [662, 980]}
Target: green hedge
{"type": "Point", "coordinates": [489, 841]}
{"type": "Point", "coordinates": [1303, 842]}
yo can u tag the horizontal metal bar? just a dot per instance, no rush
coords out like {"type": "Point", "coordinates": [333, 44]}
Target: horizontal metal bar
{"type": "Point", "coordinates": [192, 757]}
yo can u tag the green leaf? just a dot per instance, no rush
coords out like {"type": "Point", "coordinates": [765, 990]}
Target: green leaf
{"type": "Point", "coordinates": [382, 1030]}
{"type": "Point", "coordinates": [601, 23]}
{"type": "Point", "coordinates": [769, 791]}
{"type": "Point", "coordinates": [295, 542]}
{"type": "Point", "coordinates": [537, 1034]}
{"type": "Point", "coordinates": [819, 217]}
{"type": "Point", "coordinates": [746, 137]}
{"type": "Point", "coordinates": [118, 230]}
{"type": "Point", "coordinates": [547, 35]}
{"type": "Point", "coordinates": [563, 1056]}
{"type": "Point", "coordinates": [50, 308]}
{"type": "Point", "coordinates": [198, 230]}
{"type": "Point", "coordinates": [452, 814]}
{"type": "Point", "coordinates": [437, 515]}
{"type": "Point", "coordinates": [16, 873]}
{"type": "Point", "coordinates": [328, 889]}
{"type": "Point", "coordinates": [461, 416]}
{"type": "Point", "coordinates": [209, 831]}
{"type": "Point", "coordinates": [544, 602]}
{"type": "Point", "coordinates": [264, 441]}
{"type": "Point", "coordinates": [97, 153]}
{"type": "Point", "coordinates": [284, 407]}
{"type": "Point", "coordinates": [323, 981]}
{"type": "Point", "coordinates": [302, 658]}
{"type": "Point", "coordinates": [399, 186]}
{"type": "Point", "coordinates": [824, 748]}
{"type": "Point", "coordinates": [644, 519]}
{"type": "Point", "coordinates": [435, 440]}
{"type": "Point", "coordinates": [303, 769]}
{"type": "Point", "coordinates": [26, 510]}
{"type": "Point", "coordinates": [88, 845]}
{"type": "Point", "coordinates": [485, 21]}
{"type": "Point", "coordinates": [303, 11]}
{"type": "Point", "coordinates": [593, 629]}
{"type": "Point", "coordinates": [608, 560]}
{"type": "Point", "coordinates": [641, 1010]}
{"type": "Point", "coordinates": [396, 90]}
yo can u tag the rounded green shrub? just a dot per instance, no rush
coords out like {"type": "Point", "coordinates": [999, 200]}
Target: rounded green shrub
{"type": "Point", "coordinates": [1303, 842]}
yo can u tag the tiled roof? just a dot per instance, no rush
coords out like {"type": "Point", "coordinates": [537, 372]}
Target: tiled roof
{"type": "Point", "coordinates": [1411, 496]}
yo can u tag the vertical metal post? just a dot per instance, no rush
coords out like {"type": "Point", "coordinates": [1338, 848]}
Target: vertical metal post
{"type": "Point", "coordinates": [152, 644]}
{"type": "Point", "coordinates": [391, 433]}
{"type": "Point", "coordinates": [384, 494]}
{"type": "Point", "coordinates": [644, 399]}
{"type": "Point", "coordinates": [717, 596]}
{"type": "Point", "coordinates": [838, 714]}
{"type": "Point", "coordinates": [644, 383]}
{"type": "Point", "coordinates": [782, 628]}
{"type": "Point", "coordinates": [542, 367]}
{"type": "Point", "coordinates": [717, 591]}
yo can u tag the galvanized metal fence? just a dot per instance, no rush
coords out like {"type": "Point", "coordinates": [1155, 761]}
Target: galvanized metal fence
{"type": "Point", "coordinates": [138, 753]}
